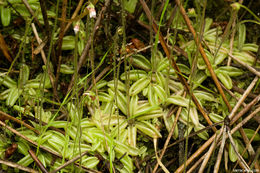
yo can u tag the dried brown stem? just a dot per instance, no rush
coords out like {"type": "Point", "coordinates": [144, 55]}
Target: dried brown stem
{"type": "Point", "coordinates": [241, 91]}
{"type": "Point", "coordinates": [203, 54]}
{"type": "Point", "coordinates": [196, 153]}
{"type": "Point", "coordinates": [104, 71]}
{"type": "Point", "coordinates": [240, 158]}
{"type": "Point", "coordinates": [245, 120]}
{"type": "Point", "coordinates": [246, 109]}
{"type": "Point", "coordinates": [180, 76]}
{"type": "Point", "coordinates": [45, 19]}
{"type": "Point", "coordinates": [29, 140]}
{"type": "Point", "coordinates": [9, 117]}
{"type": "Point", "coordinates": [169, 136]}
{"type": "Point", "coordinates": [69, 162]}
{"type": "Point", "coordinates": [232, 94]}
{"type": "Point", "coordinates": [220, 152]}
{"type": "Point", "coordinates": [256, 132]}
{"type": "Point", "coordinates": [50, 74]}
{"type": "Point", "coordinates": [32, 13]}
{"type": "Point", "coordinates": [251, 69]}
{"type": "Point", "coordinates": [194, 166]}
{"type": "Point", "coordinates": [37, 161]}
{"type": "Point", "coordinates": [211, 149]}
{"type": "Point", "coordinates": [40, 146]}
{"type": "Point", "coordinates": [15, 165]}
{"type": "Point", "coordinates": [244, 96]}
{"type": "Point", "coordinates": [209, 141]}
{"type": "Point", "coordinates": [59, 41]}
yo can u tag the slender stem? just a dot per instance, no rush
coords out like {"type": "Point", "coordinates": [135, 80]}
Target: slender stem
{"type": "Point", "coordinates": [15, 165]}
{"type": "Point", "coordinates": [203, 54]}
{"type": "Point", "coordinates": [70, 162]}
{"type": "Point", "coordinates": [180, 75]}
{"type": "Point", "coordinates": [6, 116]}
{"type": "Point", "coordinates": [37, 161]}
{"type": "Point", "coordinates": [27, 5]}
{"type": "Point", "coordinates": [87, 47]}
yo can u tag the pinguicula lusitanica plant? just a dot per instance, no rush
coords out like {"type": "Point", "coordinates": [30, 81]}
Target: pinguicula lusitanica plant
{"type": "Point", "coordinates": [110, 129]}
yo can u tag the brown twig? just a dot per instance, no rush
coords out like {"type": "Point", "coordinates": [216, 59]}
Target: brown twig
{"type": "Point", "coordinates": [50, 74]}
{"type": "Point", "coordinates": [37, 161]}
{"type": "Point", "coordinates": [69, 162]}
{"type": "Point", "coordinates": [220, 151]}
{"type": "Point", "coordinates": [232, 94]}
{"type": "Point", "coordinates": [45, 19]}
{"type": "Point", "coordinates": [44, 124]}
{"type": "Point", "coordinates": [15, 165]}
{"type": "Point", "coordinates": [203, 54]}
{"type": "Point", "coordinates": [180, 76]}
{"type": "Point", "coordinates": [29, 140]}
{"type": "Point", "coordinates": [251, 69]}
{"type": "Point", "coordinates": [196, 153]}
{"type": "Point", "coordinates": [194, 166]}
{"type": "Point", "coordinates": [104, 71]}
{"type": "Point", "coordinates": [32, 13]}
{"type": "Point", "coordinates": [59, 41]}
{"type": "Point", "coordinates": [86, 49]}
{"type": "Point", "coordinates": [209, 141]}
{"type": "Point", "coordinates": [210, 150]}
{"type": "Point", "coordinates": [246, 109]}
{"type": "Point", "coordinates": [235, 109]}
{"type": "Point", "coordinates": [9, 117]}
{"type": "Point", "coordinates": [243, 97]}
{"type": "Point", "coordinates": [252, 138]}
{"type": "Point", "coordinates": [241, 91]}
{"type": "Point", "coordinates": [169, 135]}
{"type": "Point", "coordinates": [41, 147]}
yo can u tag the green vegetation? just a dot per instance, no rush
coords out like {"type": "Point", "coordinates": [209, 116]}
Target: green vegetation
{"type": "Point", "coordinates": [125, 86]}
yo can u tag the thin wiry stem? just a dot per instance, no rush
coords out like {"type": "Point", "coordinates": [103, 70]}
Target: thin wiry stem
{"type": "Point", "coordinates": [211, 149]}
{"type": "Point", "coordinates": [203, 54]}
{"type": "Point", "coordinates": [220, 152]}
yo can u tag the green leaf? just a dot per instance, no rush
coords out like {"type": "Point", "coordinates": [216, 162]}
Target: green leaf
{"type": "Point", "coordinates": [203, 135]}
{"type": "Point", "coordinates": [241, 35]}
{"type": "Point", "coordinates": [68, 43]}
{"type": "Point", "coordinates": [134, 75]}
{"type": "Point", "coordinates": [5, 15]}
{"type": "Point", "coordinates": [225, 79]}
{"type": "Point", "coordinates": [231, 151]}
{"type": "Point", "coordinates": [141, 62]}
{"type": "Point", "coordinates": [202, 95]}
{"type": "Point", "coordinates": [24, 74]}
{"type": "Point", "coordinates": [199, 78]}
{"type": "Point", "coordinates": [13, 96]}
{"type": "Point", "coordinates": [148, 129]}
{"type": "Point", "coordinates": [231, 71]}
{"type": "Point", "coordinates": [215, 117]}
{"type": "Point", "coordinates": [25, 161]}
{"type": "Point", "coordinates": [249, 133]}
{"type": "Point", "coordinates": [138, 86]}
{"type": "Point", "coordinates": [178, 100]}
{"type": "Point", "coordinates": [130, 5]}
{"type": "Point", "coordinates": [90, 162]}
{"type": "Point", "coordinates": [168, 121]}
